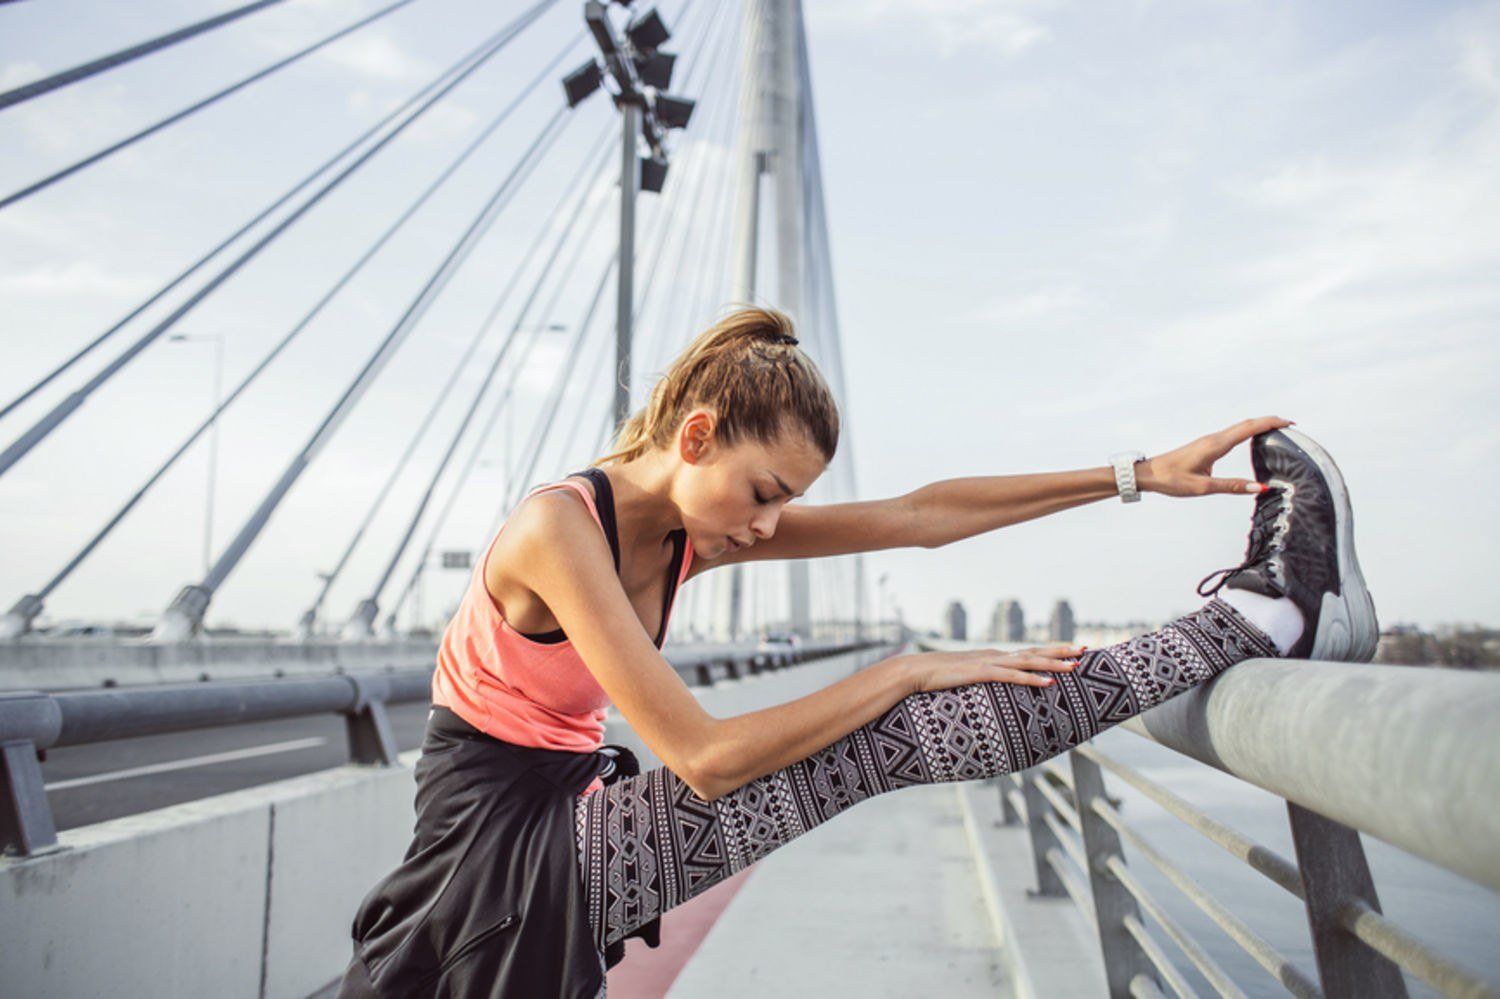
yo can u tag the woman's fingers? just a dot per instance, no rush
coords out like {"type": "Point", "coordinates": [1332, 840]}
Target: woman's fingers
{"type": "Point", "coordinates": [1236, 486]}
{"type": "Point", "coordinates": [1246, 429]}
{"type": "Point", "coordinates": [1023, 678]}
{"type": "Point", "coordinates": [1046, 664]}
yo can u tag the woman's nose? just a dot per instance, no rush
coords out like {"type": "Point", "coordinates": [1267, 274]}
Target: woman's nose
{"type": "Point", "coordinates": [764, 526]}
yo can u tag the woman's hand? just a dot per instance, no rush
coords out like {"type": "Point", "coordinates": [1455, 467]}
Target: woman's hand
{"type": "Point", "coordinates": [1188, 471]}
{"type": "Point", "coordinates": [941, 670]}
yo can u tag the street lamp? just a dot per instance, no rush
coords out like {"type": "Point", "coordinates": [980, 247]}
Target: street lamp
{"type": "Point", "coordinates": [640, 73]}
{"type": "Point", "coordinates": [213, 435]}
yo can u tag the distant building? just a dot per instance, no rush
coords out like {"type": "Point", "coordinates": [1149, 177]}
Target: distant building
{"type": "Point", "coordinates": [1008, 622]}
{"type": "Point", "coordinates": [1061, 628]}
{"type": "Point", "coordinates": [956, 622]}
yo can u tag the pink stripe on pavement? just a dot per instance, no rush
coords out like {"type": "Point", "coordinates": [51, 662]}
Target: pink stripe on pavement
{"type": "Point", "coordinates": [648, 972]}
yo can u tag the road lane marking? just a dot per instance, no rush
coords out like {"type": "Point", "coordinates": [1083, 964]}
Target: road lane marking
{"type": "Point", "coordinates": [291, 745]}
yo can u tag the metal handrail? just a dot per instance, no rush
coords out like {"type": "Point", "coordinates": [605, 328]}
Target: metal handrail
{"type": "Point", "coordinates": [1064, 831]}
{"type": "Point", "coordinates": [32, 721]}
{"type": "Point", "coordinates": [1426, 780]}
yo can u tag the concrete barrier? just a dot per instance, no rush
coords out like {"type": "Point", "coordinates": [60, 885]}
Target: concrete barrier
{"type": "Point", "coordinates": [249, 893]}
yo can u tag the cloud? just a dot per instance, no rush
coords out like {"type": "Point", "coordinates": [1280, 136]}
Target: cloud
{"type": "Point", "coordinates": [1044, 301]}
{"type": "Point", "coordinates": [377, 56]}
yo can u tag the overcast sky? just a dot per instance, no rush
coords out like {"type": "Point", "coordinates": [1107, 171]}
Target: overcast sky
{"type": "Point", "coordinates": [1059, 230]}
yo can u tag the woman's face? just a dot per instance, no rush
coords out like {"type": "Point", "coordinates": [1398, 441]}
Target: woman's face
{"type": "Point", "coordinates": [734, 496]}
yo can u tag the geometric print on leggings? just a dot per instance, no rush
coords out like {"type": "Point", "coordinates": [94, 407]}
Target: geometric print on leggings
{"type": "Point", "coordinates": [648, 843]}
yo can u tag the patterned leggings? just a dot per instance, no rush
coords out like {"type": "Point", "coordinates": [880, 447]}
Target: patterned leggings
{"type": "Point", "coordinates": [648, 843]}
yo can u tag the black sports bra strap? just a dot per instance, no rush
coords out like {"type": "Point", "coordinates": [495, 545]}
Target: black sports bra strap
{"type": "Point", "coordinates": [605, 504]}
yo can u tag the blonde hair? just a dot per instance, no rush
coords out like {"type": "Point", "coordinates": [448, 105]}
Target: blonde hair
{"type": "Point", "coordinates": [748, 368]}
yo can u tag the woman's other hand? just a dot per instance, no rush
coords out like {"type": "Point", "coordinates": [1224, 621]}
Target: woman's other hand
{"type": "Point", "coordinates": [1188, 471]}
{"type": "Point", "coordinates": [1029, 667]}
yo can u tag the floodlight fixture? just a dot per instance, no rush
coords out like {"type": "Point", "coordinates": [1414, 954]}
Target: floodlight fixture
{"type": "Point", "coordinates": [582, 82]}
{"type": "Point", "coordinates": [673, 112]}
{"type": "Point", "coordinates": [655, 70]}
{"type": "Point", "coordinates": [653, 174]}
{"type": "Point", "coordinates": [647, 31]}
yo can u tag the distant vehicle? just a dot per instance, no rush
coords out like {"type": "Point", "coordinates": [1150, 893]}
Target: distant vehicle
{"type": "Point", "coordinates": [779, 641]}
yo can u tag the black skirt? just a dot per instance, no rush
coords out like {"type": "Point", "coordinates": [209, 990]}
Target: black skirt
{"type": "Point", "coordinates": [488, 900]}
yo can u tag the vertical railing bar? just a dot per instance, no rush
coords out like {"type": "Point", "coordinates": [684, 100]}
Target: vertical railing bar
{"type": "Point", "coordinates": [1124, 960]}
{"type": "Point", "coordinates": [1334, 873]}
{"type": "Point", "coordinates": [1043, 841]}
{"type": "Point", "coordinates": [1010, 812]}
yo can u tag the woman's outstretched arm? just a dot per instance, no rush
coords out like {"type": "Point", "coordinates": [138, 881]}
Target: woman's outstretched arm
{"type": "Point", "coordinates": [953, 509]}
{"type": "Point", "coordinates": [558, 552]}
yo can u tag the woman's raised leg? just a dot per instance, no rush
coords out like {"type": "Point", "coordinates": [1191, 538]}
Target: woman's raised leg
{"type": "Point", "coordinates": [648, 843]}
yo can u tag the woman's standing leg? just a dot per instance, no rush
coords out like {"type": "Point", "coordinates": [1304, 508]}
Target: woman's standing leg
{"type": "Point", "coordinates": [648, 843]}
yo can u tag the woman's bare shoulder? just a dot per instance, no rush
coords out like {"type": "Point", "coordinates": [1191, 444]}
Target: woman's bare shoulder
{"type": "Point", "coordinates": [556, 521]}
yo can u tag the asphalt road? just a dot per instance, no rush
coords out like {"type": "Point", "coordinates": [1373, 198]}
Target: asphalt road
{"type": "Point", "coordinates": [107, 780]}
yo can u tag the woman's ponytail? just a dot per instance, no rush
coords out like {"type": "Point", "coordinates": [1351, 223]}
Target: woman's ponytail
{"type": "Point", "coordinates": [749, 369]}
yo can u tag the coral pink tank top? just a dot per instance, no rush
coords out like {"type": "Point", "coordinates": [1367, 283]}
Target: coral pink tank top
{"type": "Point", "coordinates": [533, 690]}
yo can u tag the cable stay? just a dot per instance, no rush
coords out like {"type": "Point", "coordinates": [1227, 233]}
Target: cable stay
{"type": "Point", "coordinates": [593, 158]}
{"type": "Point", "coordinates": [18, 619]}
{"type": "Point", "coordinates": [309, 619]}
{"type": "Point", "coordinates": [48, 423]}
{"type": "Point", "coordinates": [56, 81]}
{"type": "Point", "coordinates": [177, 116]}
{"type": "Point", "coordinates": [360, 623]}
{"type": "Point", "coordinates": [256, 219]}
{"type": "Point", "coordinates": [185, 614]}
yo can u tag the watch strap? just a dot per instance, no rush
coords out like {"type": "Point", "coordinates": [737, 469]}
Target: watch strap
{"type": "Point", "coordinates": [1123, 463]}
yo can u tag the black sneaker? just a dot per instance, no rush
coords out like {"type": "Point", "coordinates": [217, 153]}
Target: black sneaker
{"type": "Point", "coordinates": [1302, 546]}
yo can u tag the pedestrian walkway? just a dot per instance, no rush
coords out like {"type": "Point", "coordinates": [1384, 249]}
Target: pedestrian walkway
{"type": "Point", "coordinates": [883, 900]}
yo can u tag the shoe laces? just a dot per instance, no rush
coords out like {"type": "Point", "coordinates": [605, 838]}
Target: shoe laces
{"type": "Point", "coordinates": [1266, 526]}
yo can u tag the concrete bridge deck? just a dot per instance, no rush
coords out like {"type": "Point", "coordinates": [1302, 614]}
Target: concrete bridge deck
{"type": "Point", "coordinates": [881, 901]}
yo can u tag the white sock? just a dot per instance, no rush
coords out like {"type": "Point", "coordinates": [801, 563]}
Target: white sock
{"type": "Point", "coordinates": [1279, 617]}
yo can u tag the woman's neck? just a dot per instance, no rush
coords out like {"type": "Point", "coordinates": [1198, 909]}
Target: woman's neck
{"type": "Point", "coordinates": [644, 512]}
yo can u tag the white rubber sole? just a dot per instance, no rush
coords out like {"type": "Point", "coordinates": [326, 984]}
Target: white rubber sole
{"type": "Point", "coordinates": [1348, 630]}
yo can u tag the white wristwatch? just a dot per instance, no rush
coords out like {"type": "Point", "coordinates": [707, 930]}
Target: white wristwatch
{"type": "Point", "coordinates": [1124, 466]}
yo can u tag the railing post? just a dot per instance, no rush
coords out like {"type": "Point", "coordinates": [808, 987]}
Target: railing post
{"type": "Point", "coordinates": [368, 724]}
{"type": "Point", "coordinates": [1124, 959]}
{"type": "Point", "coordinates": [1008, 814]}
{"type": "Point", "coordinates": [27, 720]}
{"type": "Point", "coordinates": [1048, 884]}
{"type": "Point", "coordinates": [1334, 872]}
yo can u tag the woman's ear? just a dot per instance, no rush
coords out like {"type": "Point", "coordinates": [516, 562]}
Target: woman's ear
{"type": "Point", "coordinates": [695, 438]}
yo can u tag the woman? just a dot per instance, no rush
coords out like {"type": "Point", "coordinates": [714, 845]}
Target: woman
{"type": "Point", "coordinates": [528, 871]}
